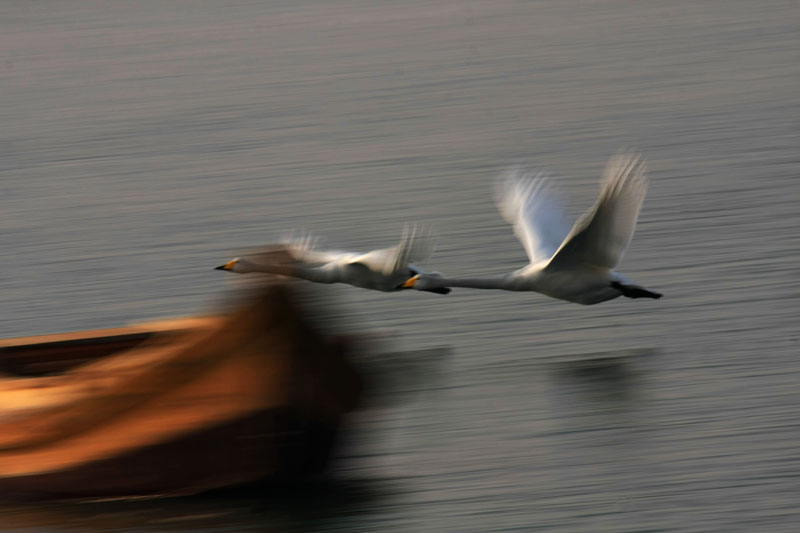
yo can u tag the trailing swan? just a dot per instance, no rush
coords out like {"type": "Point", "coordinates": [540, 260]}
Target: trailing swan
{"type": "Point", "coordinates": [382, 270]}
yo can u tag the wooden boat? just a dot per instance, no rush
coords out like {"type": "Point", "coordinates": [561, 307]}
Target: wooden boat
{"type": "Point", "coordinates": [172, 408]}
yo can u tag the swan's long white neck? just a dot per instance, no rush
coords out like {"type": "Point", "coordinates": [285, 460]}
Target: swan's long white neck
{"type": "Point", "coordinates": [294, 271]}
{"type": "Point", "coordinates": [498, 282]}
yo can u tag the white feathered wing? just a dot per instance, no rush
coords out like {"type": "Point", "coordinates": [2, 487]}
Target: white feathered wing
{"type": "Point", "coordinates": [599, 238]}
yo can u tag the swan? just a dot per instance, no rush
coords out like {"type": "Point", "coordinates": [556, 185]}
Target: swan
{"type": "Point", "coordinates": [382, 270]}
{"type": "Point", "coordinates": [575, 265]}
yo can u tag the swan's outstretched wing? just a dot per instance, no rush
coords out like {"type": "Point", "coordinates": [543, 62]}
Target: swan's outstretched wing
{"type": "Point", "coordinates": [526, 201]}
{"type": "Point", "coordinates": [600, 236]}
{"type": "Point", "coordinates": [303, 248]}
{"type": "Point", "coordinates": [415, 246]}
{"type": "Point", "coordinates": [272, 254]}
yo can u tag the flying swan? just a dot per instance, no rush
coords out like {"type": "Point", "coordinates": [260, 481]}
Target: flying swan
{"type": "Point", "coordinates": [571, 265]}
{"type": "Point", "coordinates": [382, 270]}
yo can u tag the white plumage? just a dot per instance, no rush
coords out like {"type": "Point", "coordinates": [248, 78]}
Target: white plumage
{"type": "Point", "coordinates": [574, 265]}
{"type": "Point", "coordinates": [384, 270]}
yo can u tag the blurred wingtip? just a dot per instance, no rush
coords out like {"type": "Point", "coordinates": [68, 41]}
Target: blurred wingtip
{"type": "Point", "coordinates": [515, 186]}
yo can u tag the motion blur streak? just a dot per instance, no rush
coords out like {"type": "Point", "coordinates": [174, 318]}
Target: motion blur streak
{"type": "Point", "coordinates": [143, 142]}
{"type": "Point", "coordinates": [253, 393]}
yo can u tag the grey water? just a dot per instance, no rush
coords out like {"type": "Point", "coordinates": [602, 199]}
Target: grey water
{"type": "Point", "coordinates": [143, 143]}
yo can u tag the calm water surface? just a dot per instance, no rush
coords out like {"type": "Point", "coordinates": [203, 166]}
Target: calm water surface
{"type": "Point", "coordinates": [144, 143]}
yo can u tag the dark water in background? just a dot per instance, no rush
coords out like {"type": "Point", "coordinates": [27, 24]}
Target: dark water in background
{"type": "Point", "coordinates": [142, 143]}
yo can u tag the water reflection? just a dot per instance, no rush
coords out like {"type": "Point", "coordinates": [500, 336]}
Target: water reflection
{"type": "Point", "coordinates": [321, 504]}
{"type": "Point", "coordinates": [599, 402]}
{"type": "Point", "coordinates": [612, 378]}
{"type": "Point", "coordinates": [397, 377]}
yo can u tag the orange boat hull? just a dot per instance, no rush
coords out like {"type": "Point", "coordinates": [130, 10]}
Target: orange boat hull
{"type": "Point", "coordinates": [208, 404]}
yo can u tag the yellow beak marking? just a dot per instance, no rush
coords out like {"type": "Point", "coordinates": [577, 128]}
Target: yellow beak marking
{"type": "Point", "coordinates": [411, 282]}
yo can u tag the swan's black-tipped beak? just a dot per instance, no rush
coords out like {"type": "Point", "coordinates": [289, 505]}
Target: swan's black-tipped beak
{"type": "Point", "coordinates": [229, 265]}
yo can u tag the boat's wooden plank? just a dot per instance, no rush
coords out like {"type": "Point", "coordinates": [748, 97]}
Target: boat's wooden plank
{"type": "Point", "coordinates": [49, 354]}
{"type": "Point", "coordinates": [78, 338]}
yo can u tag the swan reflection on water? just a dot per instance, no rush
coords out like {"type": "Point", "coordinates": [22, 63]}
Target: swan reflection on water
{"type": "Point", "coordinates": [611, 376]}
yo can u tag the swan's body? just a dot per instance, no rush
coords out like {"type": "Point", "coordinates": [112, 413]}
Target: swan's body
{"type": "Point", "coordinates": [381, 270]}
{"type": "Point", "coordinates": [573, 265]}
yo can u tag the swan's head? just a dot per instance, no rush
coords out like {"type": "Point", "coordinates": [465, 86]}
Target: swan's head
{"type": "Point", "coordinates": [431, 281]}
{"type": "Point", "coordinates": [238, 265]}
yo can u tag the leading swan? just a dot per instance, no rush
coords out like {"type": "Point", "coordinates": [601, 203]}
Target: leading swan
{"type": "Point", "coordinates": [382, 270]}
{"type": "Point", "coordinates": [571, 265]}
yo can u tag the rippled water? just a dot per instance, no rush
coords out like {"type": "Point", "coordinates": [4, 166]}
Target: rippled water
{"type": "Point", "coordinates": [143, 143]}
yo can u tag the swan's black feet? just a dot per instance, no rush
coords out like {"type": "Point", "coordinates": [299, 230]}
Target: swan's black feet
{"type": "Point", "coordinates": [632, 291]}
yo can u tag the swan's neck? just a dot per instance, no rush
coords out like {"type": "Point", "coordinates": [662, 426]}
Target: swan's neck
{"type": "Point", "coordinates": [499, 282]}
{"type": "Point", "coordinates": [282, 270]}
{"type": "Point", "coordinates": [295, 271]}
